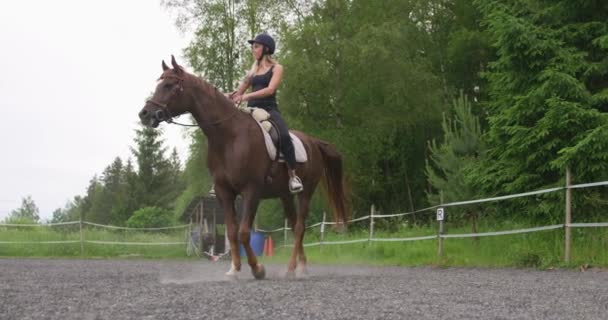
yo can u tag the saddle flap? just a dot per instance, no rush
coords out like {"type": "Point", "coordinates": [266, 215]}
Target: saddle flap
{"type": "Point", "coordinates": [271, 134]}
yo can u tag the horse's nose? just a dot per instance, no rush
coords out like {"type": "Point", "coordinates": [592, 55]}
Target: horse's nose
{"type": "Point", "coordinates": [160, 115]}
{"type": "Point", "coordinates": [143, 113]}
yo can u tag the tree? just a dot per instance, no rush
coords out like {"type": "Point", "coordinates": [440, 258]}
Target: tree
{"type": "Point", "coordinates": [131, 191]}
{"type": "Point", "coordinates": [218, 50]}
{"type": "Point", "coordinates": [150, 155]}
{"type": "Point", "coordinates": [93, 207]}
{"type": "Point", "coordinates": [357, 75]}
{"type": "Point", "coordinates": [59, 216]}
{"type": "Point", "coordinates": [196, 179]}
{"type": "Point", "coordinates": [70, 212]}
{"type": "Point", "coordinates": [548, 97]}
{"type": "Point", "coordinates": [452, 160]}
{"type": "Point", "coordinates": [157, 178]}
{"type": "Point", "coordinates": [28, 211]}
{"type": "Point", "coordinates": [460, 47]}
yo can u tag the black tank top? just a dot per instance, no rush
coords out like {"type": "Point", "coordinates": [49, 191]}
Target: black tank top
{"type": "Point", "coordinates": [259, 82]}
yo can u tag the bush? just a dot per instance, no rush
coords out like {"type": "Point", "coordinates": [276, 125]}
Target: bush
{"type": "Point", "coordinates": [19, 220]}
{"type": "Point", "coordinates": [150, 217]}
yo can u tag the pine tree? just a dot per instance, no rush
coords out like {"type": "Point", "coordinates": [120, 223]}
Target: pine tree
{"type": "Point", "coordinates": [548, 96]}
{"type": "Point", "coordinates": [113, 196]}
{"type": "Point", "coordinates": [452, 160]}
{"type": "Point", "coordinates": [94, 208]}
{"type": "Point", "coordinates": [131, 191]}
{"type": "Point", "coordinates": [157, 177]}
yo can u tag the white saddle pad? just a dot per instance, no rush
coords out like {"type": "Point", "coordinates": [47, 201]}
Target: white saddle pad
{"type": "Point", "coordinates": [297, 145]}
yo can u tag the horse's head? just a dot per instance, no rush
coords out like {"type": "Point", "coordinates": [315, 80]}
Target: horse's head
{"type": "Point", "coordinates": [168, 100]}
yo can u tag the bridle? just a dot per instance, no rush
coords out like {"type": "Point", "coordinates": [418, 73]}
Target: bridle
{"type": "Point", "coordinates": [165, 115]}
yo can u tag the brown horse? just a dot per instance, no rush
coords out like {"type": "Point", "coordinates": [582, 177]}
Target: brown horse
{"type": "Point", "coordinates": [239, 163]}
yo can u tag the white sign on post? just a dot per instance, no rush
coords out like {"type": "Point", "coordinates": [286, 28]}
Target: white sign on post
{"type": "Point", "coordinates": [439, 214]}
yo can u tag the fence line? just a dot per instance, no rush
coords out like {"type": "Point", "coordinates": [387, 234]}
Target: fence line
{"type": "Point", "coordinates": [404, 239]}
{"type": "Point", "coordinates": [37, 224]}
{"type": "Point", "coordinates": [453, 204]}
{"type": "Point", "coordinates": [500, 233]}
{"type": "Point", "coordinates": [440, 234]}
{"type": "Point", "coordinates": [138, 229]}
{"type": "Point", "coordinates": [567, 225]}
{"type": "Point", "coordinates": [134, 243]}
{"type": "Point", "coordinates": [587, 225]}
{"type": "Point", "coordinates": [39, 242]}
{"type": "Point", "coordinates": [271, 231]}
{"type": "Point", "coordinates": [82, 240]}
{"type": "Point", "coordinates": [587, 185]}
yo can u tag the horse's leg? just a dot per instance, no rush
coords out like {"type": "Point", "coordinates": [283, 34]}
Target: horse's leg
{"type": "Point", "coordinates": [300, 227]}
{"type": "Point", "coordinates": [303, 207]}
{"type": "Point", "coordinates": [251, 199]}
{"type": "Point", "coordinates": [226, 199]}
{"type": "Point", "coordinates": [290, 212]}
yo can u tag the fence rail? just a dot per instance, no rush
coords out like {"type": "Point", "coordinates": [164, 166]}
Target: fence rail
{"type": "Point", "coordinates": [440, 235]}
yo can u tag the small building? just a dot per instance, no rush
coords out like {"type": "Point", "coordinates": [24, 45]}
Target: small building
{"type": "Point", "coordinates": [207, 224]}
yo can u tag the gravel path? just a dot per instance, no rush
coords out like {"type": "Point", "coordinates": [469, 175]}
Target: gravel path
{"type": "Point", "coordinates": [141, 289]}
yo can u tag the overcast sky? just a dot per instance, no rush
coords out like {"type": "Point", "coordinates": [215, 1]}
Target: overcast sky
{"type": "Point", "coordinates": [74, 75]}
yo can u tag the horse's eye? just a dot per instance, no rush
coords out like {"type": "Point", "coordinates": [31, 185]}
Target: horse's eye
{"type": "Point", "coordinates": [168, 85]}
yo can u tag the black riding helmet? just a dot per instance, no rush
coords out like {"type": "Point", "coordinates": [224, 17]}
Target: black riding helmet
{"type": "Point", "coordinates": [265, 40]}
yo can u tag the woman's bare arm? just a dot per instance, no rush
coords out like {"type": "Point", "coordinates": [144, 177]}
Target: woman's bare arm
{"type": "Point", "coordinates": [245, 83]}
{"type": "Point", "coordinates": [275, 81]}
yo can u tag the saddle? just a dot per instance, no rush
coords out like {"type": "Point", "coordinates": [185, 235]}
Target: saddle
{"type": "Point", "coordinates": [271, 135]}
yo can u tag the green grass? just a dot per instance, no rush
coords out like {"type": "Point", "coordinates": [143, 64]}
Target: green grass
{"type": "Point", "coordinates": [542, 249]}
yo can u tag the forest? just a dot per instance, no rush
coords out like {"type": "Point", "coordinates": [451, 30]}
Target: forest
{"type": "Point", "coordinates": [467, 98]}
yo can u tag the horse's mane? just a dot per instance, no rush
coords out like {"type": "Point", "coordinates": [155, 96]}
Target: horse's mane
{"type": "Point", "coordinates": [209, 89]}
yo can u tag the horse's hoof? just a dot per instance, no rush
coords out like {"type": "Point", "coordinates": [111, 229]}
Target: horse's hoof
{"type": "Point", "coordinates": [232, 274]}
{"type": "Point", "coordinates": [231, 277]}
{"type": "Point", "coordinates": [290, 275]}
{"type": "Point", "coordinates": [260, 273]}
{"type": "Point", "coordinates": [302, 272]}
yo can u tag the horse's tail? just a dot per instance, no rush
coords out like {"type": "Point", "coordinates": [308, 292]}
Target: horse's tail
{"type": "Point", "coordinates": [334, 183]}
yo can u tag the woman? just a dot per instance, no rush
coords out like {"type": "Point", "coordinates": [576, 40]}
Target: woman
{"type": "Point", "coordinates": [264, 79]}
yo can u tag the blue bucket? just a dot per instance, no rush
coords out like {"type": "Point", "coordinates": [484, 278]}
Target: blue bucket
{"type": "Point", "coordinates": [256, 241]}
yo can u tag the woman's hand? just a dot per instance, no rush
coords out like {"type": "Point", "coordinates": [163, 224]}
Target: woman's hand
{"type": "Point", "coordinates": [230, 95]}
{"type": "Point", "coordinates": [237, 98]}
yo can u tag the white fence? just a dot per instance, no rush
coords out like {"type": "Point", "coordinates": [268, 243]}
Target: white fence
{"type": "Point", "coordinates": [79, 227]}
{"type": "Point", "coordinates": [567, 225]}
{"type": "Point", "coordinates": [440, 235]}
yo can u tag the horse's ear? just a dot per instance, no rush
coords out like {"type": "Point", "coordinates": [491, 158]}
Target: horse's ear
{"type": "Point", "coordinates": [165, 67]}
{"type": "Point", "coordinates": [176, 66]}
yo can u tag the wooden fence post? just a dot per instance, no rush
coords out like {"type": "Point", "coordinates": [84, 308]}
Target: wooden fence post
{"type": "Point", "coordinates": [568, 237]}
{"type": "Point", "coordinates": [440, 233]}
{"type": "Point", "coordinates": [371, 223]}
{"type": "Point", "coordinates": [81, 237]}
{"type": "Point", "coordinates": [285, 233]}
{"type": "Point", "coordinates": [322, 231]}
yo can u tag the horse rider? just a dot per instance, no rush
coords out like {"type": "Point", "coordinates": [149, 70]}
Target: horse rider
{"type": "Point", "coordinates": [264, 79]}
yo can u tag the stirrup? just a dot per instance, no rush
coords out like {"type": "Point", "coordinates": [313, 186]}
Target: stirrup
{"type": "Point", "coordinates": [295, 185]}
{"type": "Point", "coordinates": [212, 190]}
